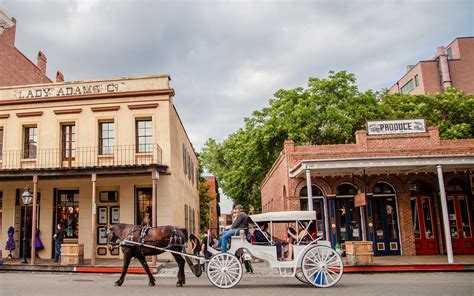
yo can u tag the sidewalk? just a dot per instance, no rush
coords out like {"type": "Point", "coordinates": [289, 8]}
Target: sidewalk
{"type": "Point", "coordinates": [102, 266]}
{"type": "Point", "coordinates": [381, 264]}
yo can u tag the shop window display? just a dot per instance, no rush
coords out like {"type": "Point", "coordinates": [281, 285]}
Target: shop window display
{"type": "Point", "coordinates": [67, 212]}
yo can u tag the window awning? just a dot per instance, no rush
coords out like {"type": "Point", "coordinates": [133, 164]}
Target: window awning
{"type": "Point", "coordinates": [382, 165]}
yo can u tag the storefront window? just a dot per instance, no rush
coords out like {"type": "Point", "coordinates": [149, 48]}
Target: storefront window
{"type": "Point", "coordinates": [67, 212]}
{"type": "Point", "coordinates": [416, 221]}
{"type": "Point", "coordinates": [144, 206]}
{"type": "Point", "coordinates": [391, 218]}
{"type": "Point", "coordinates": [318, 206]}
{"type": "Point", "coordinates": [466, 224]}
{"type": "Point", "coordinates": [427, 218]}
{"type": "Point", "coordinates": [453, 225]}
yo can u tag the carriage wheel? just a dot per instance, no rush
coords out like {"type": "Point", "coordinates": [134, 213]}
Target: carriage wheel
{"type": "Point", "coordinates": [224, 270]}
{"type": "Point", "coordinates": [300, 277]}
{"type": "Point", "coordinates": [322, 266]}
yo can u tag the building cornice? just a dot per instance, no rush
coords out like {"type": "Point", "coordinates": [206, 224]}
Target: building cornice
{"type": "Point", "coordinates": [154, 92]}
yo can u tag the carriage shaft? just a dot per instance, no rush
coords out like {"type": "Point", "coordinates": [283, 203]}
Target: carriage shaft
{"type": "Point", "coordinates": [125, 242]}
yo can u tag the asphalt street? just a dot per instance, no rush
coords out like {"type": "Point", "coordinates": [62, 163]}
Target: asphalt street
{"type": "Point", "coordinates": [36, 283]}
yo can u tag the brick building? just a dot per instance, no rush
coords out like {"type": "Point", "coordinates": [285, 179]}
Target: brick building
{"type": "Point", "coordinates": [452, 65]}
{"type": "Point", "coordinates": [399, 174]}
{"type": "Point", "coordinates": [215, 208]}
{"type": "Point", "coordinates": [15, 67]}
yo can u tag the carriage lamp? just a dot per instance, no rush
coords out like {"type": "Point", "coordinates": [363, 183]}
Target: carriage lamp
{"type": "Point", "coordinates": [26, 198]}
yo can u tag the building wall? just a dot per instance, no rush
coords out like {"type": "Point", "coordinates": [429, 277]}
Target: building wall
{"type": "Point", "coordinates": [213, 192]}
{"type": "Point", "coordinates": [189, 193]}
{"type": "Point", "coordinates": [461, 69]}
{"type": "Point", "coordinates": [174, 188]}
{"type": "Point", "coordinates": [16, 68]}
{"type": "Point", "coordinates": [366, 146]}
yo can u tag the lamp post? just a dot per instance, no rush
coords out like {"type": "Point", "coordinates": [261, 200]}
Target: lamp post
{"type": "Point", "coordinates": [26, 197]}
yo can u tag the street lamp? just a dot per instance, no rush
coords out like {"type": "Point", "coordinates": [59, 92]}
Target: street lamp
{"type": "Point", "coordinates": [26, 197]}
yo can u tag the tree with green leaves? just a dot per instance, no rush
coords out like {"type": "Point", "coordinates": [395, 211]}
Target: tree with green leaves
{"type": "Point", "coordinates": [327, 111]}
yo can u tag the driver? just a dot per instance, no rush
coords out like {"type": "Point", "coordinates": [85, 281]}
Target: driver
{"type": "Point", "coordinates": [240, 223]}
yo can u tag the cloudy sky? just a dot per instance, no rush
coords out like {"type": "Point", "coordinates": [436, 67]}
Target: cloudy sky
{"type": "Point", "coordinates": [227, 58]}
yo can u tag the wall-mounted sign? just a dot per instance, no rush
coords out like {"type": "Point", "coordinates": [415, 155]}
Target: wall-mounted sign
{"type": "Point", "coordinates": [359, 199]}
{"type": "Point", "coordinates": [396, 127]}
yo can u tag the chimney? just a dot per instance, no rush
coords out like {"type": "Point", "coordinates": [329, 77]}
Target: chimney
{"type": "Point", "coordinates": [7, 28]}
{"type": "Point", "coordinates": [59, 76]}
{"type": "Point", "coordinates": [443, 66]}
{"type": "Point", "coordinates": [42, 62]}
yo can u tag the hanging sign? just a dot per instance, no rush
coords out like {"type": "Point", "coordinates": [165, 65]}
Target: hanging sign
{"type": "Point", "coordinates": [359, 199]}
{"type": "Point", "coordinates": [396, 127]}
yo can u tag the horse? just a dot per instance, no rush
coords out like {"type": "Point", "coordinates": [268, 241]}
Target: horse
{"type": "Point", "coordinates": [169, 237]}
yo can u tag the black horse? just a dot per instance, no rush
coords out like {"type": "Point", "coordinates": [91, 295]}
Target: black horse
{"type": "Point", "coordinates": [169, 237]}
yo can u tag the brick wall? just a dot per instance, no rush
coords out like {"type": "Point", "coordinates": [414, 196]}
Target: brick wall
{"type": "Point", "coordinates": [16, 68]}
{"type": "Point", "coordinates": [427, 143]}
{"type": "Point", "coordinates": [213, 191]}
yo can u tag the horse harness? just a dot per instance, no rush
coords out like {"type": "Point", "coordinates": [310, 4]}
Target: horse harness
{"type": "Point", "coordinates": [174, 241]}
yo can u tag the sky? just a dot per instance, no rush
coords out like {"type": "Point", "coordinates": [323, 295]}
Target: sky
{"type": "Point", "coordinates": [227, 58]}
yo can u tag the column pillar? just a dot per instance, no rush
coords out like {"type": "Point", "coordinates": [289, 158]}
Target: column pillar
{"type": "Point", "coordinates": [94, 220]}
{"type": "Point", "coordinates": [444, 208]}
{"type": "Point", "coordinates": [154, 177]}
{"type": "Point", "coordinates": [309, 190]}
{"type": "Point", "coordinates": [33, 220]}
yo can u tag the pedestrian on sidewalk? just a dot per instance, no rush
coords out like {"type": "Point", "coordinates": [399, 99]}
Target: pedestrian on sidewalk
{"type": "Point", "coordinates": [58, 240]}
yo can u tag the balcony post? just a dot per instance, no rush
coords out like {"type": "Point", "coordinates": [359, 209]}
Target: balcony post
{"type": "Point", "coordinates": [154, 177]}
{"type": "Point", "coordinates": [33, 221]}
{"type": "Point", "coordinates": [94, 220]}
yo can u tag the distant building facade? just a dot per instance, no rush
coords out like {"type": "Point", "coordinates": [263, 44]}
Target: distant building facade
{"type": "Point", "coordinates": [452, 66]}
{"type": "Point", "coordinates": [399, 174]}
{"type": "Point", "coordinates": [215, 208]}
{"type": "Point", "coordinates": [15, 67]}
{"type": "Point", "coordinates": [94, 153]}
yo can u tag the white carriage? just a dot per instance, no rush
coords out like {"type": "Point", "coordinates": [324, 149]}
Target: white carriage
{"type": "Point", "coordinates": [314, 261]}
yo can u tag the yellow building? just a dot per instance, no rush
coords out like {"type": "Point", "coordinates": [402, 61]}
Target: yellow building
{"type": "Point", "coordinates": [94, 153]}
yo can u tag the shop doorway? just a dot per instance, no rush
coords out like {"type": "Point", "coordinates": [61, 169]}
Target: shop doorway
{"type": "Point", "coordinates": [424, 226]}
{"type": "Point", "coordinates": [460, 218]}
{"type": "Point", "coordinates": [385, 220]}
{"type": "Point", "coordinates": [348, 218]}
{"type": "Point", "coordinates": [318, 207]}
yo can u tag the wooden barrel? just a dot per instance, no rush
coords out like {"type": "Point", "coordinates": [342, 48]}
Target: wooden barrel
{"type": "Point", "coordinates": [72, 254]}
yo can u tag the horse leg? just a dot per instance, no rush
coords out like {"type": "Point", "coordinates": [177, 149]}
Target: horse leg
{"type": "Point", "coordinates": [126, 262]}
{"type": "Point", "coordinates": [142, 260]}
{"type": "Point", "coordinates": [181, 278]}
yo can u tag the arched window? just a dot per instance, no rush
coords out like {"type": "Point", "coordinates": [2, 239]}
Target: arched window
{"type": "Point", "coordinates": [346, 189]}
{"type": "Point", "coordinates": [316, 192]}
{"type": "Point", "coordinates": [420, 188]}
{"type": "Point", "coordinates": [455, 186]}
{"type": "Point", "coordinates": [383, 188]}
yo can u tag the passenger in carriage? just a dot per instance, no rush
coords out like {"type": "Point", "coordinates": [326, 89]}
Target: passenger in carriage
{"type": "Point", "coordinates": [240, 223]}
{"type": "Point", "coordinates": [293, 238]}
{"type": "Point", "coordinates": [263, 238]}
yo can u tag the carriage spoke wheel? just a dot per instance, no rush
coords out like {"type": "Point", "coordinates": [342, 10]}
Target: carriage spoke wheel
{"type": "Point", "coordinates": [224, 270]}
{"type": "Point", "coordinates": [322, 266]}
{"type": "Point", "coordinates": [300, 277]}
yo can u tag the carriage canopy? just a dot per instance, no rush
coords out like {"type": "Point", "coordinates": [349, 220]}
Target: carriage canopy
{"type": "Point", "coordinates": [289, 216]}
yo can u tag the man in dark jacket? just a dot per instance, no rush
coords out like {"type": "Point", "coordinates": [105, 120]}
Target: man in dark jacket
{"type": "Point", "coordinates": [58, 240]}
{"type": "Point", "coordinates": [239, 223]}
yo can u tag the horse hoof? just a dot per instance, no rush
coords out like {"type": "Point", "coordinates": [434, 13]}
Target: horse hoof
{"type": "Point", "coordinates": [179, 284]}
{"type": "Point", "coordinates": [118, 284]}
{"type": "Point", "coordinates": [151, 284]}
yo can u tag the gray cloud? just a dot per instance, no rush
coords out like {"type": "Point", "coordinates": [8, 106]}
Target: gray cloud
{"type": "Point", "coordinates": [227, 59]}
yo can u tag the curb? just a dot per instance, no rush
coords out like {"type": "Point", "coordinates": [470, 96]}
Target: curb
{"type": "Point", "coordinates": [78, 269]}
{"type": "Point", "coordinates": [408, 268]}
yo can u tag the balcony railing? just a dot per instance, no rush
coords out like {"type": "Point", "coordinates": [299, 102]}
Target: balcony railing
{"type": "Point", "coordinates": [81, 157]}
